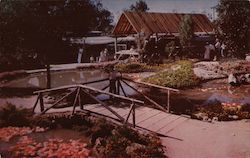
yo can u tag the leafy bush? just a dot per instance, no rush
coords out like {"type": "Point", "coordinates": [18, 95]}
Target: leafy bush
{"type": "Point", "coordinates": [12, 116]}
{"type": "Point", "coordinates": [110, 140]}
{"type": "Point", "coordinates": [131, 67]}
{"type": "Point", "coordinates": [140, 67]}
{"type": "Point", "coordinates": [183, 76]}
{"type": "Point", "coordinates": [226, 112]}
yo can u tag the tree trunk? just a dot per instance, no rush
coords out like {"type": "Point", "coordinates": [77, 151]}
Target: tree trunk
{"type": "Point", "coordinates": [48, 76]}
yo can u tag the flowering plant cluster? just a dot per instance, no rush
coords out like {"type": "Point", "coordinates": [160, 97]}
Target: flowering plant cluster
{"type": "Point", "coordinates": [28, 147]}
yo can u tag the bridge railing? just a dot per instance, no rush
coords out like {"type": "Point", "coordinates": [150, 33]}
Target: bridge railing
{"type": "Point", "coordinates": [168, 89]}
{"type": "Point", "coordinates": [80, 90]}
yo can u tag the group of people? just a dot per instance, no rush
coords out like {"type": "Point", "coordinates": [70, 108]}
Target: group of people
{"type": "Point", "coordinates": [102, 58]}
{"type": "Point", "coordinates": [103, 55]}
{"type": "Point", "coordinates": [215, 51]}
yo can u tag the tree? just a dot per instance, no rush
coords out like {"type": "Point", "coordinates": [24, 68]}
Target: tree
{"type": "Point", "coordinates": [186, 31]}
{"type": "Point", "coordinates": [34, 29]}
{"type": "Point", "coordinates": [234, 25]}
{"type": "Point", "coordinates": [140, 6]}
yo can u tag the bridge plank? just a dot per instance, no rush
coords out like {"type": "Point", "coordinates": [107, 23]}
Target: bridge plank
{"type": "Point", "coordinates": [173, 125]}
{"type": "Point", "coordinates": [162, 122]}
{"type": "Point", "coordinates": [91, 106]}
{"type": "Point", "coordinates": [154, 119]}
{"type": "Point", "coordinates": [104, 111]}
{"type": "Point", "coordinates": [143, 114]}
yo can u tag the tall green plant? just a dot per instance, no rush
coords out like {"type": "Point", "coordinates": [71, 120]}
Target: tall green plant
{"type": "Point", "coordinates": [186, 31]}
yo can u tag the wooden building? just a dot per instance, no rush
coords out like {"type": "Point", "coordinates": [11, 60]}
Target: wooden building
{"type": "Point", "coordinates": [146, 25]}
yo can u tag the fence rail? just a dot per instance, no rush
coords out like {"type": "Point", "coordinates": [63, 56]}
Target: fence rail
{"type": "Point", "coordinates": [115, 90]}
{"type": "Point", "coordinates": [80, 90]}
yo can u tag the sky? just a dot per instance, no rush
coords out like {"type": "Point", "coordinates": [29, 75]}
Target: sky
{"type": "Point", "coordinates": [116, 7]}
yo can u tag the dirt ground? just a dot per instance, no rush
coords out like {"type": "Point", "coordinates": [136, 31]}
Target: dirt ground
{"type": "Point", "coordinates": [209, 140]}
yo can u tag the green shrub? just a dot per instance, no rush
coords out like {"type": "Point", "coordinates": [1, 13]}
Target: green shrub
{"type": "Point", "coordinates": [225, 113]}
{"type": "Point", "coordinates": [181, 77]}
{"type": "Point", "coordinates": [245, 108]}
{"type": "Point", "coordinates": [131, 67]}
{"type": "Point", "coordinates": [12, 116]}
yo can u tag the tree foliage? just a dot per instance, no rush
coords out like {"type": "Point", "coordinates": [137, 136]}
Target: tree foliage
{"type": "Point", "coordinates": [32, 30]}
{"type": "Point", "coordinates": [234, 25]}
{"type": "Point", "coordinates": [186, 30]}
{"type": "Point", "coordinates": [139, 6]}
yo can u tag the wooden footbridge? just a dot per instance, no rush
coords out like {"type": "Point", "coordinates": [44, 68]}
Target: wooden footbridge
{"type": "Point", "coordinates": [117, 106]}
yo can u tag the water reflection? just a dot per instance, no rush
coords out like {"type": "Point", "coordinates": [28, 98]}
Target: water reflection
{"type": "Point", "coordinates": [57, 79]}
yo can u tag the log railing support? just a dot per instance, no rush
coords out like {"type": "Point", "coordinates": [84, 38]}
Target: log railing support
{"type": "Point", "coordinates": [57, 102]}
{"type": "Point", "coordinates": [168, 101]}
{"type": "Point", "coordinates": [133, 114]}
{"type": "Point", "coordinates": [103, 104]}
{"type": "Point", "coordinates": [41, 102]}
{"type": "Point", "coordinates": [80, 101]}
{"type": "Point", "coordinates": [76, 97]}
{"type": "Point", "coordinates": [37, 100]}
{"type": "Point", "coordinates": [146, 97]}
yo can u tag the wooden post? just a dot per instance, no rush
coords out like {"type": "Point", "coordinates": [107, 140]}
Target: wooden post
{"type": "Point", "coordinates": [115, 44]}
{"type": "Point", "coordinates": [48, 76]}
{"type": "Point", "coordinates": [129, 112]}
{"type": "Point", "coordinates": [79, 99]}
{"type": "Point", "coordinates": [133, 114]}
{"type": "Point", "coordinates": [123, 91]}
{"type": "Point", "coordinates": [76, 97]}
{"type": "Point", "coordinates": [41, 102]}
{"type": "Point", "coordinates": [117, 86]}
{"type": "Point", "coordinates": [168, 101]}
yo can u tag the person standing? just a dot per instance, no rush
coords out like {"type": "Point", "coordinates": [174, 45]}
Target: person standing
{"type": "Point", "coordinates": [207, 52]}
{"type": "Point", "coordinates": [217, 49]}
{"type": "Point", "coordinates": [80, 52]}
{"type": "Point", "coordinates": [105, 54]}
{"type": "Point", "coordinates": [101, 56]}
{"type": "Point", "coordinates": [91, 59]}
{"type": "Point", "coordinates": [223, 48]}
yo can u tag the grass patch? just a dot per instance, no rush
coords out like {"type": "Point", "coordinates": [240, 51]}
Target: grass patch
{"type": "Point", "coordinates": [180, 75]}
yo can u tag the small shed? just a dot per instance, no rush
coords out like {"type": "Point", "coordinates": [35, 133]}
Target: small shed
{"type": "Point", "coordinates": [148, 23]}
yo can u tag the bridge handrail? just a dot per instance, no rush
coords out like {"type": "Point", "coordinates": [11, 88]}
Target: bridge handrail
{"type": "Point", "coordinates": [90, 88]}
{"type": "Point", "coordinates": [152, 85]}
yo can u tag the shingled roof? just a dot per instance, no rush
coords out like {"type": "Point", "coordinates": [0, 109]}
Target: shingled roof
{"type": "Point", "coordinates": [150, 23]}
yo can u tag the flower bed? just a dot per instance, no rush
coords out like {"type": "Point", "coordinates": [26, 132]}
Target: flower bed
{"type": "Point", "coordinates": [104, 139]}
{"type": "Point", "coordinates": [28, 147]}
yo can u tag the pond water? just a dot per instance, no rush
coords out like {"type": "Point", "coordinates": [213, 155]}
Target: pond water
{"type": "Point", "coordinates": [60, 78]}
{"type": "Point", "coordinates": [205, 94]}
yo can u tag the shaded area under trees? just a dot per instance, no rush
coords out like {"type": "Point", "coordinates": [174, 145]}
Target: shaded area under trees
{"type": "Point", "coordinates": [32, 31]}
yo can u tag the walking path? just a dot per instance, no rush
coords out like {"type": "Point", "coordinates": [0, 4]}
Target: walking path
{"type": "Point", "coordinates": [186, 137]}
